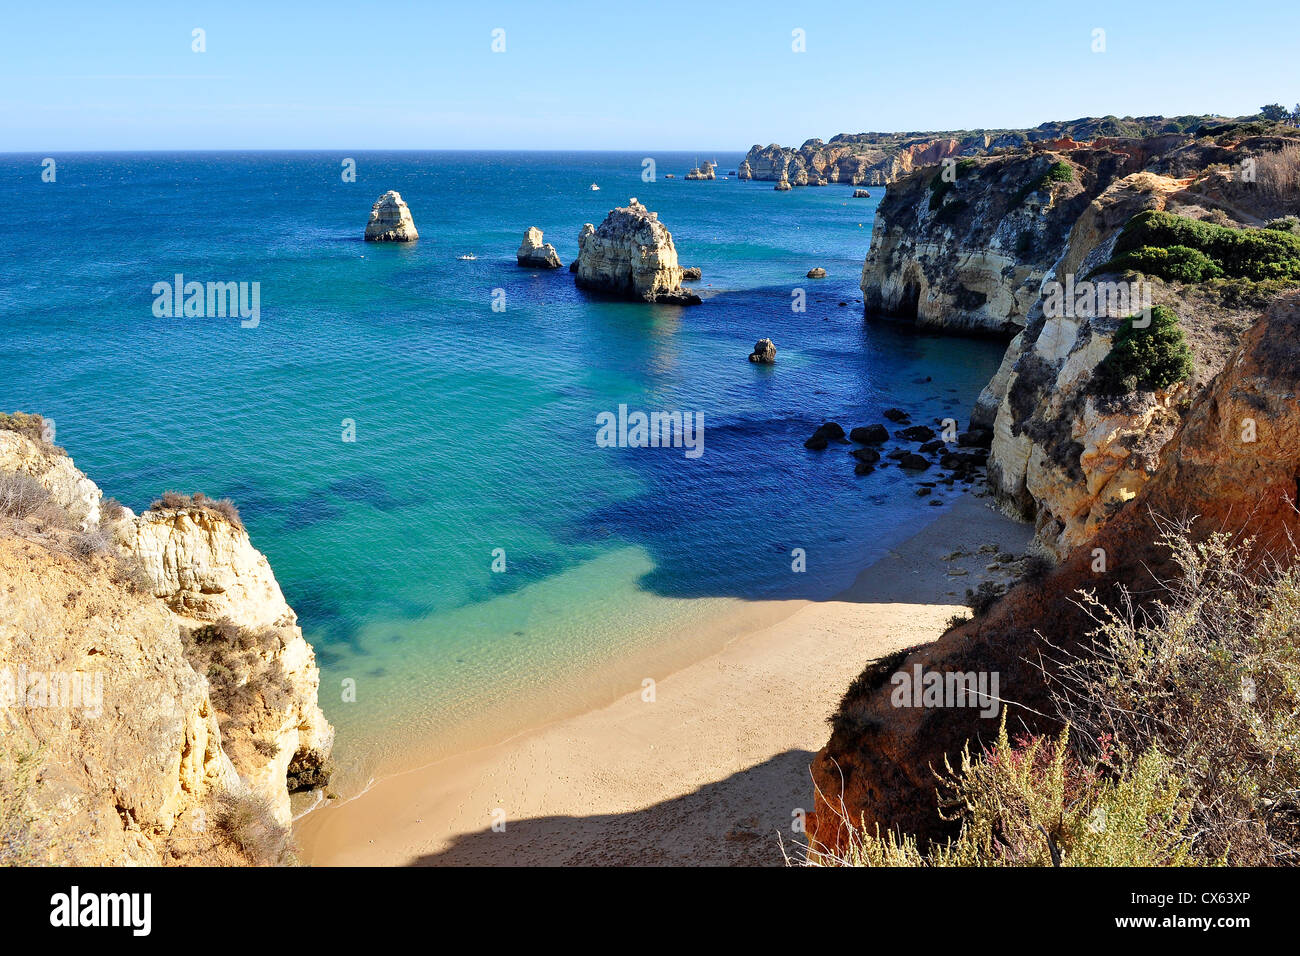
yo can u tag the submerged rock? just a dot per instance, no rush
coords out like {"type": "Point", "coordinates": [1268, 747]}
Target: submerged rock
{"type": "Point", "coordinates": [917, 433]}
{"type": "Point", "coordinates": [897, 415]}
{"type": "Point", "coordinates": [631, 255]}
{"type": "Point", "coordinates": [534, 254]}
{"type": "Point", "coordinates": [764, 352]}
{"type": "Point", "coordinates": [390, 220]}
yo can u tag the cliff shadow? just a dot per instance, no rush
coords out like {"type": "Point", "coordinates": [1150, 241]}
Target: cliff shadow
{"type": "Point", "coordinates": [741, 820]}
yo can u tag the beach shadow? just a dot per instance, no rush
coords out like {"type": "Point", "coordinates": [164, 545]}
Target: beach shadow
{"type": "Point", "coordinates": [742, 820]}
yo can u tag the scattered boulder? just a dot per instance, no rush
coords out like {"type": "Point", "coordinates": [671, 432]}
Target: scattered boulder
{"type": "Point", "coordinates": [917, 433]}
{"type": "Point", "coordinates": [931, 447]}
{"type": "Point", "coordinates": [631, 255]}
{"type": "Point", "coordinates": [817, 272]}
{"type": "Point", "coordinates": [534, 254]}
{"type": "Point", "coordinates": [863, 468]}
{"type": "Point", "coordinates": [870, 434]}
{"type": "Point", "coordinates": [826, 433]}
{"type": "Point", "coordinates": [390, 220]}
{"type": "Point", "coordinates": [868, 455]}
{"type": "Point", "coordinates": [976, 438]}
{"type": "Point", "coordinates": [914, 461]}
{"type": "Point", "coordinates": [764, 352]}
{"type": "Point", "coordinates": [692, 274]}
{"type": "Point", "coordinates": [861, 194]}
{"type": "Point", "coordinates": [897, 415]}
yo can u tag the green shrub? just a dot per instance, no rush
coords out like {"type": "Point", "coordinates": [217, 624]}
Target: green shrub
{"type": "Point", "coordinates": [1060, 172]}
{"type": "Point", "coordinates": [1147, 359]}
{"type": "Point", "coordinates": [1174, 263]}
{"type": "Point", "coordinates": [1257, 254]}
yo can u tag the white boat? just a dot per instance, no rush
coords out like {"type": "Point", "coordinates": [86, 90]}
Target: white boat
{"type": "Point", "coordinates": [469, 257]}
{"type": "Point", "coordinates": [595, 188]}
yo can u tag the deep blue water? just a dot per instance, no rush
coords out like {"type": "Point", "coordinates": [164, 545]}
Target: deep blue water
{"type": "Point", "coordinates": [475, 429]}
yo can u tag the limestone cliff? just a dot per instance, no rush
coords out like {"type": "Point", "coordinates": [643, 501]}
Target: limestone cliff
{"type": "Point", "coordinates": [631, 255]}
{"type": "Point", "coordinates": [143, 754]}
{"type": "Point", "coordinates": [966, 247]}
{"type": "Point", "coordinates": [877, 767]}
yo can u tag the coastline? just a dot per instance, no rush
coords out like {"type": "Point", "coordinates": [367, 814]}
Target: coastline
{"type": "Point", "coordinates": [712, 771]}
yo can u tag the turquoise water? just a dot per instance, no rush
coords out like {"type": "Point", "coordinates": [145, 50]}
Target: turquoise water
{"type": "Point", "coordinates": [475, 429]}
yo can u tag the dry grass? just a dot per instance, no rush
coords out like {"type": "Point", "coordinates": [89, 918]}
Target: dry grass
{"type": "Point", "coordinates": [176, 501]}
{"type": "Point", "coordinates": [1277, 176]}
{"type": "Point", "coordinates": [32, 427]}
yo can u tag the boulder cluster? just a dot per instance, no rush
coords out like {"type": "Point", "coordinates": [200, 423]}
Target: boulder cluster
{"type": "Point", "coordinates": [919, 449]}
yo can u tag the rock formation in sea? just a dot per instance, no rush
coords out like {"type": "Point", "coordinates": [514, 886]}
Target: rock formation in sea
{"type": "Point", "coordinates": [816, 272]}
{"type": "Point", "coordinates": [198, 694]}
{"type": "Point", "coordinates": [692, 274]}
{"type": "Point", "coordinates": [764, 352]}
{"type": "Point", "coordinates": [782, 185]}
{"type": "Point", "coordinates": [861, 194]}
{"type": "Point", "coordinates": [534, 254]}
{"type": "Point", "coordinates": [390, 220]}
{"type": "Point", "coordinates": [631, 255]}
{"type": "Point", "coordinates": [745, 171]}
{"type": "Point", "coordinates": [704, 171]}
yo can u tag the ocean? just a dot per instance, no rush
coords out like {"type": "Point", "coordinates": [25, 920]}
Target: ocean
{"type": "Point", "coordinates": [474, 428]}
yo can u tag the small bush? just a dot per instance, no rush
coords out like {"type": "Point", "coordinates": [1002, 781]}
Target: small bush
{"type": "Point", "coordinates": [1036, 567]}
{"type": "Point", "coordinates": [111, 510]}
{"type": "Point", "coordinates": [1146, 359]}
{"type": "Point", "coordinates": [957, 620]}
{"type": "Point", "coordinates": [983, 597]}
{"type": "Point", "coordinates": [1174, 264]}
{"type": "Point", "coordinates": [29, 426]}
{"type": "Point", "coordinates": [21, 495]}
{"type": "Point", "coordinates": [87, 544]}
{"type": "Point", "coordinates": [175, 501]}
{"type": "Point", "coordinates": [20, 844]}
{"type": "Point", "coordinates": [1209, 675]}
{"type": "Point", "coordinates": [247, 823]}
{"type": "Point", "coordinates": [1060, 172]}
{"type": "Point", "coordinates": [1033, 803]}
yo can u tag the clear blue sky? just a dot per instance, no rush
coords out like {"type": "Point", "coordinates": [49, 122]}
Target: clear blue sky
{"type": "Point", "coordinates": [616, 74]}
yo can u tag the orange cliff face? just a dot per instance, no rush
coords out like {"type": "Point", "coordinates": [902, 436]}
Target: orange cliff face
{"type": "Point", "coordinates": [1233, 465]}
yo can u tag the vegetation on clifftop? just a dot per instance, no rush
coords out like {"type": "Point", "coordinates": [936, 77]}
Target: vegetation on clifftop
{"type": "Point", "coordinates": [1146, 357]}
{"type": "Point", "coordinates": [1182, 744]}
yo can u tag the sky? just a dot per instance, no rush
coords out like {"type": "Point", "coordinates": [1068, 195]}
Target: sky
{"type": "Point", "coordinates": [617, 74]}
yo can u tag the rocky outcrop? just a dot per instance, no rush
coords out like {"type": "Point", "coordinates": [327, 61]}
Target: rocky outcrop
{"type": "Point", "coordinates": [132, 607]}
{"type": "Point", "coordinates": [702, 172]}
{"type": "Point", "coordinates": [764, 352]}
{"type": "Point", "coordinates": [631, 255]}
{"type": "Point", "coordinates": [55, 472]}
{"type": "Point", "coordinates": [966, 247]}
{"type": "Point", "coordinates": [205, 570]}
{"type": "Point", "coordinates": [745, 171]}
{"type": "Point", "coordinates": [782, 185]}
{"type": "Point", "coordinates": [534, 254]}
{"type": "Point", "coordinates": [816, 272]}
{"type": "Point", "coordinates": [877, 159]}
{"type": "Point", "coordinates": [390, 220]}
{"type": "Point", "coordinates": [878, 767]}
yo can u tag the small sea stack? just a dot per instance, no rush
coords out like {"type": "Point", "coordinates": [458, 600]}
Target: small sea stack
{"type": "Point", "coordinates": [861, 194]}
{"type": "Point", "coordinates": [390, 220]}
{"type": "Point", "coordinates": [631, 255]}
{"type": "Point", "coordinates": [817, 272]}
{"type": "Point", "coordinates": [692, 274]}
{"type": "Point", "coordinates": [783, 184]}
{"type": "Point", "coordinates": [534, 254]}
{"type": "Point", "coordinates": [764, 352]}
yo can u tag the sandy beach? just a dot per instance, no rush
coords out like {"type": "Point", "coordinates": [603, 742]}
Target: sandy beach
{"type": "Point", "coordinates": [707, 767]}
